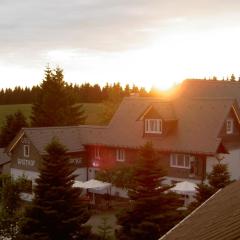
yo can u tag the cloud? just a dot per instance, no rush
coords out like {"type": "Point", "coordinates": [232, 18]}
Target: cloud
{"type": "Point", "coordinates": [30, 29]}
{"type": "Point", "coordinates": [94, 24]}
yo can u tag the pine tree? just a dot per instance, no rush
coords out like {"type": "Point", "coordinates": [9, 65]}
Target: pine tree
{"type": "Point", "coordinates": [13, 123]}
{"type": "Point", "coordinates": [219, 176]}
{"type": "Point", "coordinates": [54, 106]}
{"type": "Point", "coordinates": [232, 78]}
{"type": "Point", "coordinates": [153, 211]}
{"type": "Point", "coordinates": [57, 211]}
{"type": "Point", "coordinates": [105, 230]}
{"type": "Point", "coordinates": [10, 205]}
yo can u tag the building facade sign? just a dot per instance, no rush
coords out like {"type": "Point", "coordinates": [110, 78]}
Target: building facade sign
{"type": "Point", "coordinates": [25, 162]}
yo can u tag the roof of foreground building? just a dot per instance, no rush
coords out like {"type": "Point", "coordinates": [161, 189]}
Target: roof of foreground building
{"type": "Point", "coordinates": [217, 219]}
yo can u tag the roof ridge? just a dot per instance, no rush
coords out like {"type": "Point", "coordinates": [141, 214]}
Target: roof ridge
{"type": "Point", "coordinates": [64, 127]}
{"type": "Point", "coordinates": [213, 98]}
{"type": "Point", "coordinates": [204, 81]}
{"type": "Point", "coordinates": [145, 98]}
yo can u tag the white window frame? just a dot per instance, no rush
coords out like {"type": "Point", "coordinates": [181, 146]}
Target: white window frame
{"type": "Point", "coordinates": [120, 155]}
{"type": "Point", "coordinates": [229, 126]}
{"type": "Point", "coordinates": [174, 161]}
{"type": "Point", "coordinates": [26, 150]}
{"type": "Point", "coordinates": [153, 126]}
{"type": "Point", "coordinates": [97, 152]}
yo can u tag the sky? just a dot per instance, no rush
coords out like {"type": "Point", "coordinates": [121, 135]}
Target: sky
{"type": "Point", "coordinates": [146, 43]}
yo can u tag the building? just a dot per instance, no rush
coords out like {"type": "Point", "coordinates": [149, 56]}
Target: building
{"type": "Point", "coordinates": [216, 219]}
{"type": "Point", "coordinates": [4, 162]}
{"type": "Point", "coordinates": [190, 131]}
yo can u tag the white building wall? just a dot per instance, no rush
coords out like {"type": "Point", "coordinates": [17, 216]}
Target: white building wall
{"type": "Point", "coordinates": [92, 173]}
{"type": "Point", "coordinates": [232, 160]}
{"type": "Point", "coordinates": [30, 175]}
{"type": "Point", "coordinates": [81, 174]}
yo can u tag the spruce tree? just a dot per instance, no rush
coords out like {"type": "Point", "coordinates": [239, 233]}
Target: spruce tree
{"type": "Point", "coordinates": [54, 105]}
{"type": "Point", "coordinates": [10, 205]}
{"type": "Point", "coordinates": [153, 210]}
{"type": "Point", "coordinates": [13, 123]}
{"type": "Point", "coordinates": [57, 211]}
{"type": "Point", "coordinates": [219, 176]}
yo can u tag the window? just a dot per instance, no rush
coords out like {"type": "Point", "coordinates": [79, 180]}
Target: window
{"type": "Point", "coordinates": [120, 155]}
{"type": "Point", "coordinates": [153, 126]}
{"type": "Point", "coordinates": [180, 161]}
{"type": "Point", "coordinates": [26, 150]}
{"type": "Point", "coordinates": [229, 126]}
{"type": "Point", "coordinates": [97, 153]}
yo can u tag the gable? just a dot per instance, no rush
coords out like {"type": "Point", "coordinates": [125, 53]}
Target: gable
{"type": "Point", "coordinates": [230, 128]}
{"type": "Point", "coordinates": [24, 155]}
{"type": "Point", "coordinates": [152, 113]}
{"type": "Point", "coordinates": [159, 110]}
{"type": "Point", "coordinates": [15, 141]}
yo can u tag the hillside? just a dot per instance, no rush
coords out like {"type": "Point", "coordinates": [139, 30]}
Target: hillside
{"type": "Point", "coordinates": [92, 111]}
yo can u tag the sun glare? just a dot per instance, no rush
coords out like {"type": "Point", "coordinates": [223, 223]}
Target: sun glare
{"type": "Point", "coordinates": [163, 63]}
{"type": "Point", "coordinates": [164, 85]}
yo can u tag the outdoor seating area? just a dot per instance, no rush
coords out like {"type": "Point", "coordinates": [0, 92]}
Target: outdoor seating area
{"type": "Point", "coordinates": [187, 190]}
{"type": "Point", "coordinates": [98, 195]}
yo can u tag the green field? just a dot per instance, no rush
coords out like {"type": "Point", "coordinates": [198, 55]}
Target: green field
{"type": "Point", "coordinates": [92, 111]}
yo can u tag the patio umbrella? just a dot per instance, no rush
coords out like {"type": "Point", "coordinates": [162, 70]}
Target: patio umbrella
{"type": "Point", "coordinates": [184, 188]}
{"type": "Point", "coordinates": [92, 184]}
{"type": "Point", "coordinates": [78, 184]}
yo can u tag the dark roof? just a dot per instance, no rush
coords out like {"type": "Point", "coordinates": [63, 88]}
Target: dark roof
{"type": "Point", "coordinates": [210, 88]}
{"type": "Point", "coordinates": [73, 137]}
{"type": "Point", "coordinates": [165, 109]}
{"type": "Point", "coordinates": [4, 158]}
{"type": "Point", "coordinates": [216, 219]}
{"type": "Point", "coordinates": [199, 123]}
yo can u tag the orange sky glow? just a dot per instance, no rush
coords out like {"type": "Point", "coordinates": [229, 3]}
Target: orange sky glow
{"type": "Point", "coordinates": [154, 44]}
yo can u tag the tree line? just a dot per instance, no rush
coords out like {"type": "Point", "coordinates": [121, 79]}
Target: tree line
{"type": "Point", "coordinates": [56, 103]}
{"type": "Point", "coordinates": [85, 92]}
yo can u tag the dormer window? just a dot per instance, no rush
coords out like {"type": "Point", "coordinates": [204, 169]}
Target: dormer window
{"type": "Point", "coordinates": [153, 126]}
{"type": "Point", "coordinates": [229, 126]}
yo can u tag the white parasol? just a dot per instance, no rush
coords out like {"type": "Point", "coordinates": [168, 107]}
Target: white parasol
{"type": "Point", "coordinates": [92, 184]}
{"type": "Point", "coordinates": [184, 188]}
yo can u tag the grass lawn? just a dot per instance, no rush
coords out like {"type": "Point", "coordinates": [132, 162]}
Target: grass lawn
{"type": "Point", "coordinates": [101, 211]}
{"type": "Point", "coordinates": [92, 111]}
{"type": "Point", "coordinates": [10, 109]}
{"type": "Point", "coordinates": [96, 220]}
